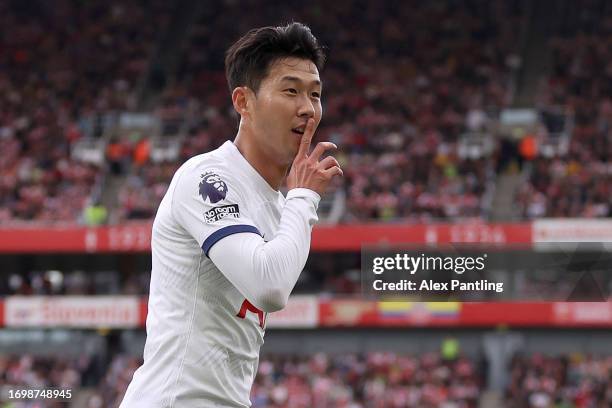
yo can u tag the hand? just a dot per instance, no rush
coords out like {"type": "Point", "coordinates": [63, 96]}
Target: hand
{"type": "Point", "coordinates": [307, 171]}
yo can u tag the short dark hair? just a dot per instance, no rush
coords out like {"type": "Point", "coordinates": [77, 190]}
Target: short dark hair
{"type": "Point", "coordinates": [248, 60]}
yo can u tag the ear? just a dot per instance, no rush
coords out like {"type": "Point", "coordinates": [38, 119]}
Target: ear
{"type": "Point", "coordinates": [241, 100]}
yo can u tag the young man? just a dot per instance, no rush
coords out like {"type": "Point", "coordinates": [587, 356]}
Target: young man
{"type": "Point", "coordinates": [227, 246]}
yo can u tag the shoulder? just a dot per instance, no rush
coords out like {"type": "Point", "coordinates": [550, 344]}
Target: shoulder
{"type": "Point", "coordinates": [210, 177]}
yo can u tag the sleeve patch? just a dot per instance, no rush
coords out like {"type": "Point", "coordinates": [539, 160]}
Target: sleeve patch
{"type": "Point", "coordinates": [212, 187]}
{"type": "Point", "coordinates": [218, 213]}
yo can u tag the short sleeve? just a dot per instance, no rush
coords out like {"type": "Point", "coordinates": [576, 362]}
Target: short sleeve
{"type": "Point", "coordinates": [208, 204]}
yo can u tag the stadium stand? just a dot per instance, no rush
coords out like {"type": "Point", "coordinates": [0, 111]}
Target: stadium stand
{"type": "Point", "coordinates": [562, 381]}
{"type": "Point", "coordinates": [398, 120]}
{"type": "Point", "coordinates": [398, 125]}
{"type": "Point", "coordinates": [66, 68]}
{"type": "Point", "coordinates": [577, 182]}
{"type": "Point", "coordinates": [322, 380]}
{"type": "Point", "coordinates": [403, 121]}
{"type": "Point", "coordinates": [385, 379]}
{"type": "Point", "coordinates": [374, 379]}
{"type": "Point", "coordinates": [101, 101]}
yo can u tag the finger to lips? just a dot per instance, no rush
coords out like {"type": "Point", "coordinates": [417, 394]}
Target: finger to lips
{"type": "Point", "coordinates": [306, 138]}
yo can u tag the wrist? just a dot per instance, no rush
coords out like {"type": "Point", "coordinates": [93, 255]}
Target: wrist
{"type": "Point", "coordinates": [300, 192]}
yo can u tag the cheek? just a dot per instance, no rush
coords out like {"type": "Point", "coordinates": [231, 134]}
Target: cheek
{"type": "Point", "coordinates": [270, 113]}
{"type": "Point", "coordinates": [318, 111]}
{"type": "Point", "coordinates": [318, 116]}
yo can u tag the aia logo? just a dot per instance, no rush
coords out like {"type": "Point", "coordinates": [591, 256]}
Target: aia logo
{"type": "Point", "coordinates": [248, 306]}
{"type": "Point", "coordinates": [212, 187]}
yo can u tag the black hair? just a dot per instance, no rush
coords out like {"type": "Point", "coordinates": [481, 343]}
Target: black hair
{"type": "Point", "coordinates": [248, 60]}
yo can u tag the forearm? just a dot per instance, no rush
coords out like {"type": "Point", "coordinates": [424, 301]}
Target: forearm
{"type": "Point", "coordinates": [266, 272]}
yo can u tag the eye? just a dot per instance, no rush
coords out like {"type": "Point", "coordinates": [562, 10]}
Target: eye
{"type": "Point", "coordinates": [291, 91]}
{"type": "Point", "coordinates": [316, 95]}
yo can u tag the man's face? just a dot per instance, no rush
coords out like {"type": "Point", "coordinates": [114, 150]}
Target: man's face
{"type": "Point", "coordinates": [288, 96]}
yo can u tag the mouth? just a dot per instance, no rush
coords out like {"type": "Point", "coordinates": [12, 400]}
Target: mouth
{"type": "Point", "coordinates": [299, 130]}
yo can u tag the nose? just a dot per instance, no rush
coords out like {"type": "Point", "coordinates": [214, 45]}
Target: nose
{"type": "Point", "coordinates": [306, 108]}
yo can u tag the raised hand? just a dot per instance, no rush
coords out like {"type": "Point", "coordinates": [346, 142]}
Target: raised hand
{"type": "Point", "coordinates": [307, 171]}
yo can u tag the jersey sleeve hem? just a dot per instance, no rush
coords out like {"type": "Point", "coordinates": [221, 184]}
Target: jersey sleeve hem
{"type": "Point", "coordinates": [305, 193]}
{"type": "Point", "coordinates": [226, 231]}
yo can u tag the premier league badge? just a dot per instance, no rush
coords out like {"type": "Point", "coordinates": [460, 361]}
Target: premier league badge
{"type": "Point", "coordinates": [212, 187]}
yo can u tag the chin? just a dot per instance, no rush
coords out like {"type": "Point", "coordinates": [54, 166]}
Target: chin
{"type": "Point", "coordinates": [282, 157]}
{"type": "Point", "coordinates": [287, 155]}
{"type": "Point", "coordinates": [288, 160]}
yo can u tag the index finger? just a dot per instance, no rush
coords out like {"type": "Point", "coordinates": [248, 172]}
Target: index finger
{"type": "Point", "coordinates": [306, 138]}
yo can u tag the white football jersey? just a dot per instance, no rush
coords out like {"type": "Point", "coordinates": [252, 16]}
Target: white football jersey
{"type": "Point", "coordinates": [203, 336]}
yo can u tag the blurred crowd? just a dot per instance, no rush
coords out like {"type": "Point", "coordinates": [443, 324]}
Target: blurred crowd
{"type": "Point", "coordinates": [579, 183]}
{"type": "Point", "coordinates": [75, 282]}
{"type": "Point", "coordinates": [110, 390]}
{"type": "Point", "coordinates": [574, 381]}
{"type": "Point", "coordinates": [143, 190]}
{"type": "Point", "coordinates": [397, 102]}
{"type": "Point", "coordinates": [374, 379]}
{"type": "Point", "coordinates": [397, 119]}
{"type": "Point", "coordinates": [63, 66]}
{"type": "Point", "coordinates": [348, 380]}
{"type": "Point", "coordinates": [28, 371]}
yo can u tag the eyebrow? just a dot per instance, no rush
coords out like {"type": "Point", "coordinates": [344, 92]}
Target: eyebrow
{"type": "Point", "coordinates": [296, 79]}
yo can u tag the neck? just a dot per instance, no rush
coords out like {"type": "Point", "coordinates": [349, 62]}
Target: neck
{"type": "Point", "coordinates": [267, 166]}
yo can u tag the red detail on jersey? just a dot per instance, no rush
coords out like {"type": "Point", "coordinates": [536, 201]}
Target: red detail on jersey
{"type": "Point", "coordinates": [246, 305]}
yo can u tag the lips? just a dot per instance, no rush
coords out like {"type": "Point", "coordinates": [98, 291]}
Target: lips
{"type": "Point", "coordinates": [299, 129]}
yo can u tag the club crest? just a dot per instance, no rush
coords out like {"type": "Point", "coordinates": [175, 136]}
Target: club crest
{"type": "Point", "coordinates": [212, 187]}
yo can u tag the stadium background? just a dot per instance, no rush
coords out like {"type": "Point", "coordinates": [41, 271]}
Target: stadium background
{"type": "Point", "coordinates": [458, 121]}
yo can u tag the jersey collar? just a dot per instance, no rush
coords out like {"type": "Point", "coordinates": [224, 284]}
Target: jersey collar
{"type": "Point", "coordinates": [260, 182]}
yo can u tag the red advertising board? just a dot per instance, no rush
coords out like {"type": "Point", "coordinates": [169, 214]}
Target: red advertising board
{"type": "Point", "coordinates": [300, 312]}
{"type": "Point", "coordinates": [355, 313]}
{"type": "Point", "coordinates": [582, 313]}
{"type": "Point", "coordinates": [353, 237]}
{"type": "Point", "coordinates": [572, 230]}
{"type": "Point", "coordinates": [72, 311]}
{"type": "Point", "coordinates": [312, 312]}
{"type": "Point", "coordinates": [136, 236]}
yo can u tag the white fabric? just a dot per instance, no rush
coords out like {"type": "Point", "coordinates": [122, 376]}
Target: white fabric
{"type": "Point", "coordinates": [266, 272]}
{"type": "Point", "coordinates": [203, 337]}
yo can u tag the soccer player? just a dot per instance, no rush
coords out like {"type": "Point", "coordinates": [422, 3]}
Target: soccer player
{"type": "Point", "coordinates": [227, 246]}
